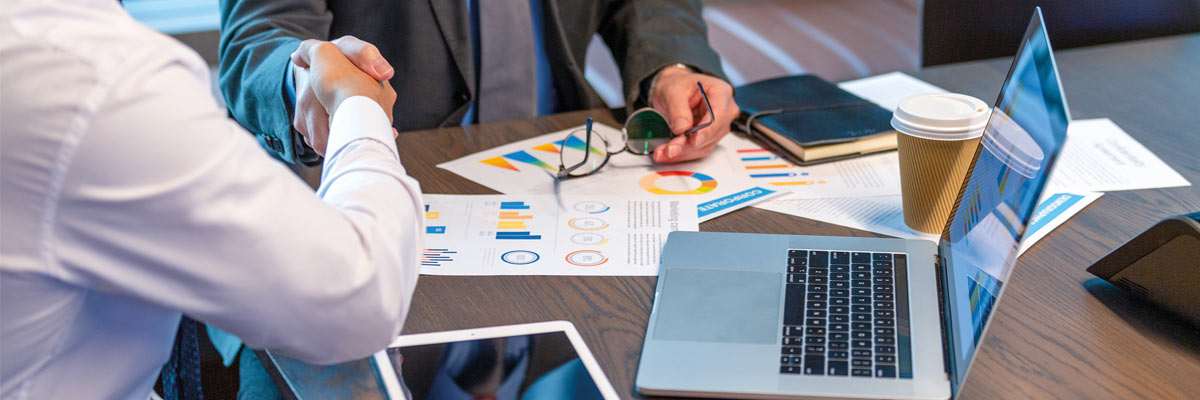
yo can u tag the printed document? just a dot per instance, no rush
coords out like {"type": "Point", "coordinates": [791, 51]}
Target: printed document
{"type": "Point", "coordinates": [871, 175]}
{"type": "Point", "coordinates": [528, 167]}
{"type": "Point", "coordinates": [1100, 157]}
{"type": "Point", "coordinates": [550, 235]}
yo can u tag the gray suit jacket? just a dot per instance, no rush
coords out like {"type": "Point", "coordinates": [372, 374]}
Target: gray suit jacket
{"type": "Point", "coordinates": [428, 42]}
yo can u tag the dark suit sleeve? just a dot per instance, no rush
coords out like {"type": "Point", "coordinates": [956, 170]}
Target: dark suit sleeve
{"type": "Point", "coordinates": [646, 36]}
{"type": "Point", "coordinates": [257, 39]}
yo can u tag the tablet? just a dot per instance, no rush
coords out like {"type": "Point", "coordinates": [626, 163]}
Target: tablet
{"type": "Point", "coordinates": [545, 360]}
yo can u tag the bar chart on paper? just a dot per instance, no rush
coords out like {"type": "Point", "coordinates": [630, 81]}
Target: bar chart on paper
{"type": "Point", "coordinates": [511, 224]}
{"type": "Point", "coordinates": [549, 235]}
{"type": "Point", "coordinates": [873, 175]}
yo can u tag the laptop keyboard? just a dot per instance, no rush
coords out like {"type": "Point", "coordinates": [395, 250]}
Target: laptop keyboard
{"type": "Point", "coordinates": [846, 314]}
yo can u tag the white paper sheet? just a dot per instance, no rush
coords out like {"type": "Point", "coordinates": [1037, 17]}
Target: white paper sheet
{"type": "Point", "coordinates": [873, 175]}
{"type": "Point", "coordinates": [550, 235]}
{"type": "Point", "coordinates": [888, 89]}
{"type": "Point", "coordinates": [1052, 211]}
{"type": "Point", "coordinates": [885, 214]}
{"type": "Point", "coordinates": [1100, 157]}
{"type": "Point", "coordinates": [529, 166]}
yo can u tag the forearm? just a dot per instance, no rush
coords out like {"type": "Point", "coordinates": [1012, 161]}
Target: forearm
{"type": "Point", "coordinates": [382, 208]}
{"type": "Point", "coordinates": [646, 36]}
{"type": "Point", "coordinates": [257, 37]}
{"type": "Point", "coordinates": [205, 224]}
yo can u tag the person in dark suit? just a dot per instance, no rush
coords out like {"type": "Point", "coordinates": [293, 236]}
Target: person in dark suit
{"type": "Point", "coordinates": [457, 62]}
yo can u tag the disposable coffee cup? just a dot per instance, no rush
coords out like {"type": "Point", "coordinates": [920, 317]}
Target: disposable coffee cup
{"type": "Point", "coordinates": [938, 136]}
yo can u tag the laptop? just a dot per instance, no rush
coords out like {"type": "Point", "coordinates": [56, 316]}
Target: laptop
{"type": "Point", "coordinates": [774, 316]}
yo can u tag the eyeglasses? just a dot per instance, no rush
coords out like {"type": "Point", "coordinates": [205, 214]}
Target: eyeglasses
{"type": "Point", "coordinates": [585, 151]}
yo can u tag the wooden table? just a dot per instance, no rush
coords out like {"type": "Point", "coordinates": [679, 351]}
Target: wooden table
{"type": "Point", "coordinates": [1058, 333]}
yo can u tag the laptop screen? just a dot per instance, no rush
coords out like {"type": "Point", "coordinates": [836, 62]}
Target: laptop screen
{"type": "Point", "coordinates": [979, 246]}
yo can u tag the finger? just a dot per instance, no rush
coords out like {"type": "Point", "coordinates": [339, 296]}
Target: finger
{"type": "Point", "coordinates": [689, 153]}
{"type": "Point", "coordinates": [677, 99]}
{"type": "Point", "coordinates": [395, 133]}
{"type": "Point", "coordinates": [669, 150]}
{"type": "Point", "coordinates": [365, 56]}
{"type": "Point", "coordinates": [303, 53]}
{"type": "Point", "coordinates": [710, 135]}
{"type": "Point", "coordinates": [313, 126]}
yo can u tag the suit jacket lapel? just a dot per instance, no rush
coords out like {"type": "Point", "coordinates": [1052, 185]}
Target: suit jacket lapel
{"type": "Point", "coordinates": [453, 20]}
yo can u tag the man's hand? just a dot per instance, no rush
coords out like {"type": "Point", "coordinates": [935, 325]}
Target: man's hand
{"type": "Point", "coordinates": [676, 96]}
{"type": "Point", "coordinates": [311, 117]}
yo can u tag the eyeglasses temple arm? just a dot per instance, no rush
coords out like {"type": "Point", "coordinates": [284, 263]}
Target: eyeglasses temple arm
{"type": "Point", "coordinates": [711, 117]}
{"type": "Point", "coordinates": [587, 146]}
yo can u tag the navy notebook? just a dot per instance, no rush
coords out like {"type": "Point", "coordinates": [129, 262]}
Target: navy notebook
{"type": "Point", "coordinates": [809, 121]}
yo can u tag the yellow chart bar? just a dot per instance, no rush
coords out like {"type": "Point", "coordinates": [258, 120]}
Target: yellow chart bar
{"type": "Point", "coordinates": [510, 225]}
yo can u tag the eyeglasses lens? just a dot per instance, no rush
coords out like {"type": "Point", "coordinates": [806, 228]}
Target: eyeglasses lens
{"type": "Point", "coordinates": [646, 130]}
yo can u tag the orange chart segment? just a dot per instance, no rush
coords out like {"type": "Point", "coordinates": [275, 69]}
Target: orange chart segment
{"type": "Point", "coordinates": [769, 166]}
{"type": "Point", "coordinates": [514, 215]}
{"type": "Point", "coordinates": [586, 258]}
{"type": "Point", "coordinates": [548, 147]}
{"type": "Point", "coordinates": [649, 182]}
{"type": "Point", "coordinates": [499, 162]}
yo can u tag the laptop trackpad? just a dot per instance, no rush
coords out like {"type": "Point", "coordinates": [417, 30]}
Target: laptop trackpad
{"type": "Point", "coordinates": [718, 306]}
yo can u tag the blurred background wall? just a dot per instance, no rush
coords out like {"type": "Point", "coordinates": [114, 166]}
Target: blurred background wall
{"type": "Point", "coordinates": [757, 39]}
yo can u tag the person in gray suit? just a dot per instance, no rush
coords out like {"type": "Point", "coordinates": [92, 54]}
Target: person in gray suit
{"type": "Point", "coordinates": [457, 62]}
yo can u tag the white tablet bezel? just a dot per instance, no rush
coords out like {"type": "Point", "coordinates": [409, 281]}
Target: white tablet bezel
{"type": "Point", "coordinates": [392, 384]}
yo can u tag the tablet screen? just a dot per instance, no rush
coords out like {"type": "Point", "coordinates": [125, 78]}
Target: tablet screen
{"type": "Point", "coordinates": [535, 366]}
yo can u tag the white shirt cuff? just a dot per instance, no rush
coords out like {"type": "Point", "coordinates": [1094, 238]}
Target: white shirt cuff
{"type": "Point", "coordinates": [359, 117]}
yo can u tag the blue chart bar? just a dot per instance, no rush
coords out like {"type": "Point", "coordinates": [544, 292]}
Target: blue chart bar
{"type": "Point", "coordinates": [435, 257]}
{"type": "Point", "coordinates": [517, 236]}
{"type": "Point", "coordinates": [763, 158]}
{"type": "Point", "coordinates": [513, 205]}
{"type": "Point", "coordinates": [782, 174]}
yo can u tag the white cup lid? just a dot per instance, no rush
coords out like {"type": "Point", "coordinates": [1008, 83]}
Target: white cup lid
{"type": "Point", "coordinates": [941, 116]}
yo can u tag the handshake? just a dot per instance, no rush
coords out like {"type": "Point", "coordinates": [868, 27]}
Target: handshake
{"type": "Point", "coordinates": [328, 72]}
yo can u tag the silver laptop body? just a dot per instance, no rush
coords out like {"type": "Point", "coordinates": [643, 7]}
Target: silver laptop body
{"type": "Point", "coordinates": [784, 316]}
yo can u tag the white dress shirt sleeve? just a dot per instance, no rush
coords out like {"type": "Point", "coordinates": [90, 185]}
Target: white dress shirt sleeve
{"type": "Point", "coordinates": [168, 201]}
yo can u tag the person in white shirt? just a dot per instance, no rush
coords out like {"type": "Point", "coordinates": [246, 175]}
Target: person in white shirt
{"type": "Point", "coordinates": [127, 198]}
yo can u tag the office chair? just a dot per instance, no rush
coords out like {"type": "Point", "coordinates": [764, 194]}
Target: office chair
{"type": "Point", "coordinates": [955, 30]}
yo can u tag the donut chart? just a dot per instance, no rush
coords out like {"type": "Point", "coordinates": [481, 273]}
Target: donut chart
{"type": "Point", "coordinates": [591, 207]}
{"type": "Point", "coordinates": [587, 223]}
{"type": "Point", "coordinates": [589, 238]}
{"type": "Point", "coordinates": [520, 257]}
{"type": "Point", "coordinates": [649, 182]}
{"type": "Point", "coordinates": [586, 258]}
